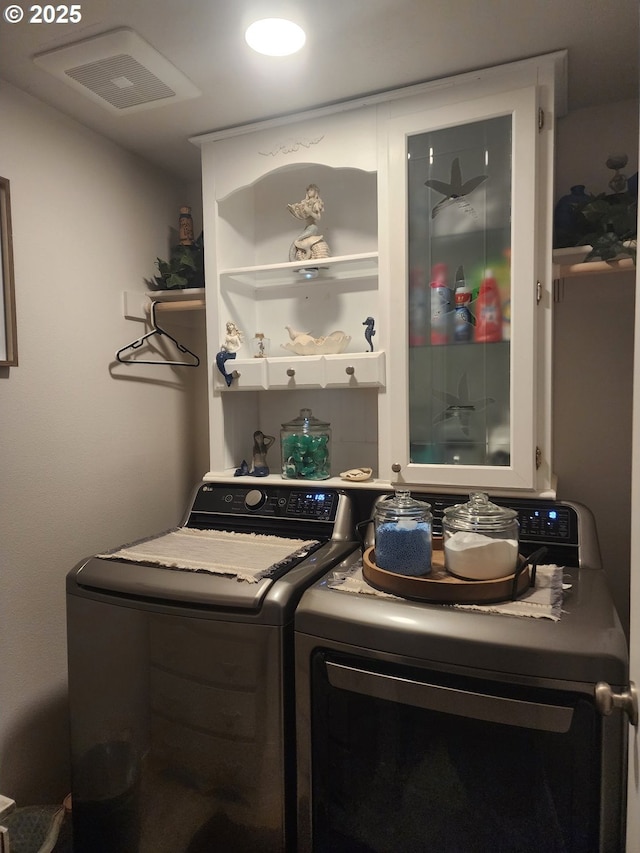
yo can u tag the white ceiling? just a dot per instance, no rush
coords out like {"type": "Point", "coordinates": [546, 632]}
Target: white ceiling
{"type": "Point", "coordinates": [354, 48]}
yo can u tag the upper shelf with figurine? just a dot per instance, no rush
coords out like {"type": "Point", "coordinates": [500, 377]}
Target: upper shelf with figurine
{"type": "Point", "coordinates": [596, 233]}
{"type": "Point", "coordinates": [364, 265]}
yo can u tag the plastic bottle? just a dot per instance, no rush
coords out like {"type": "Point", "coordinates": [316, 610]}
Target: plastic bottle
{"type": "Point", "coordinates": [417, 309]}
{"type": "Point", "coordinates": [463, 318]}
{"type": "Point", "coordinates": [440, 305]}
{"type": "Point", "coordinates": [488, 311]}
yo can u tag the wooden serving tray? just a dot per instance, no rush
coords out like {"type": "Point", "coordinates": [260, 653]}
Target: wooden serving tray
{"type": "Point", "coordinates": [442, 588]}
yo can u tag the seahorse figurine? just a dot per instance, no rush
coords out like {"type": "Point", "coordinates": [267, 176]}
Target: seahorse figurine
{"type": "Point", "coordinates": [309, 244]}
{"type": "Point", "coordinates": [369, 332]}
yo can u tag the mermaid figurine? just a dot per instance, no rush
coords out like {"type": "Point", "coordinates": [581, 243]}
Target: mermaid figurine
{"type": "Point", "coordinates": [310, 244]}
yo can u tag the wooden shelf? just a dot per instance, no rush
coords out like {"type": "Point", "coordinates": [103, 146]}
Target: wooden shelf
{"type": "Point", "coordinates": [136, 304]}
{"type": "Point", "coordinates": [180, 305]}
{"type": "Point", "coordinates": [593, 268]}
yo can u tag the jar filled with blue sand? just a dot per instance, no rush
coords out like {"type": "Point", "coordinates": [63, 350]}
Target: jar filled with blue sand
{"type": "Point", "coordinates": [304, 442]}
{"type": "Point", "coordinates": [403, 535]}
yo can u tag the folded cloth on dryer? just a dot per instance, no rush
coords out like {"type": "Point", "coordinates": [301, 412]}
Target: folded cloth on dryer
{"type": "Point", "coordinates": [246, 556]}
{"type": "Point", "coordinates": [544, 601]}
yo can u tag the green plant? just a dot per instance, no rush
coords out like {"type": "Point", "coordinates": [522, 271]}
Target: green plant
{"type": "Point", "coordinates": [609, 224]}
{"type": "Point", "coordinates": [185, 267]}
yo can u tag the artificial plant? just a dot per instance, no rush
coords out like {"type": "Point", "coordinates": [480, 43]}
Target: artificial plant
{"type": "Point", "coordinates": [609, 225]}
{"type": "Point", "coordinates": [185, 267]}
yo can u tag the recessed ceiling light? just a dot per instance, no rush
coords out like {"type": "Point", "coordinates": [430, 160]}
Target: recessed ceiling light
{"type": "Point", "coordinates": [275, 37]}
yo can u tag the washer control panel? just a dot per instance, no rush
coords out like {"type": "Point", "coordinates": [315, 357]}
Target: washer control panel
{"type": "Point", "coordinates": [268, 502]}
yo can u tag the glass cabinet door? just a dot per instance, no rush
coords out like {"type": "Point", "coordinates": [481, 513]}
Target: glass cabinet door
{"type": "Point", "coordinates": [467, 256]}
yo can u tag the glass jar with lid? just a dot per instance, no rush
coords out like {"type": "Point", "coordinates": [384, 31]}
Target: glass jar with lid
{"type": "Point", "coordinates": [403, 535]}
{"type": "Point", "coordinates": [304, 442]}
{"type": "Point", "coordinates": [480, 539]}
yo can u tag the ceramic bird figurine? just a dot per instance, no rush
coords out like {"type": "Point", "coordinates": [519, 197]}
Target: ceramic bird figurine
{"type": "Point", "coordinates": [455, 190]}
{"type": "Point", "coordinates": [369, 332]}
{"type": "Point", "coordinates": [294, 333]}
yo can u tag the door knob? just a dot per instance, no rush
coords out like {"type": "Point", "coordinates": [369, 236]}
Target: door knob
{"type": "Point", "coordinates": [627, 701]}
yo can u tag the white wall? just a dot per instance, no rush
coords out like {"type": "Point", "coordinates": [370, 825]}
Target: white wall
{"type": "Point", "coordinates": [585, 138]}
{"type": "Point", "coordinates": [93, 453]}
{"type": "Point", "coordinates": [593, 358]}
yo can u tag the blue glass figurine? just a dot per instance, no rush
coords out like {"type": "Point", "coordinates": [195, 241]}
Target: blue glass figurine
{"type": "Point", "coordinates": [369, 331]}
{"type": "Point", "coordinates": [261, 443]}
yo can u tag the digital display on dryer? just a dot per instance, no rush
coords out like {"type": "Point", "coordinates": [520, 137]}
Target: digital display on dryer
{"type": "Point", "coordinates": [547, 524]}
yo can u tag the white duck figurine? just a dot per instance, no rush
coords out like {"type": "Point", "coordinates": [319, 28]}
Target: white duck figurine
{"type": "Point", "coordinates": [294, 333]}
{"type": "Point", "coordinates": [301, 338]}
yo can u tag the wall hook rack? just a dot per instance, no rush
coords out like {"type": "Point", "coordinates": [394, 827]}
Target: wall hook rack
{"type": "Point", "coordinates": [156, 330]}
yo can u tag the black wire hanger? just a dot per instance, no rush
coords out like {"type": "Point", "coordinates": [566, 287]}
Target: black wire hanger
{"type": "Point", "coordinates": [156, 330]}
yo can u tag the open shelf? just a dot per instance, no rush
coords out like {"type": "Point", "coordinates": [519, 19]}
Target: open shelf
{"type": "Point", "coordinates": [273, 275]}
{"type": "Point", "coordinates": [136, 304]}
{"type": "Point", "coordinates": [593, 268]}
{"type": "Point", "coordinates": [571, 262]}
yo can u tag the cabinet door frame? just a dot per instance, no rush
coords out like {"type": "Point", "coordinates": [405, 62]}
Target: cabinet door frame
{"type": "Point", "coordinates": [522, 105]}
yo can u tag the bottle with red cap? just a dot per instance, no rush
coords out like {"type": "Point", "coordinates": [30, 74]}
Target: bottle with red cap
{"type": "Point", "coordinates": [488, 327]}
{"type": "Point", "coordinates": [440, 305]}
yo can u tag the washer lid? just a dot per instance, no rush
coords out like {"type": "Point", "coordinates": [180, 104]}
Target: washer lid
{"type": "Point", "coordinates": [273, 598]}
{"type": "Point", "coordinates": [155, 582]}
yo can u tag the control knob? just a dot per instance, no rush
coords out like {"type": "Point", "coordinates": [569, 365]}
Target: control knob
{"type": "Point", "coordinates": [254, 499]}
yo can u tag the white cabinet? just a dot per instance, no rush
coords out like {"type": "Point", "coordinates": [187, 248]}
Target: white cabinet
{"type": "Point", "coordinates": [249, 179]}
{"type": "Point", "coordinates": [386, 233]}
{"type": "Point", "coordinates": [464, 180]}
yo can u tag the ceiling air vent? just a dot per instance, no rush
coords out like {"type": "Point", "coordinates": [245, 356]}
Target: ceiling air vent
{"type": "Point", "coordinates": [118, 70]}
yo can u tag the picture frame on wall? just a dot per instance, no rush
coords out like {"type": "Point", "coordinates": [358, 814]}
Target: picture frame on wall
{"type": "Point", "coordinates": [8, 342]}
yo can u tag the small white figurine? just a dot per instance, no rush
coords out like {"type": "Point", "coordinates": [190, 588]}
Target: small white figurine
{"type": "Point", "coordinates": [310, 244]}
{"type": "Point", "coordinates": [357, 474]}
{"type": "Point", "coordinates": [234, 338]}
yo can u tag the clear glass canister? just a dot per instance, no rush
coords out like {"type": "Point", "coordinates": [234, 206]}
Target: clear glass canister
{"type": "Point", "coordinates": [304, 442]}
{"type": "Point", "coordinates": [480, 539]}
{"type": "Point", "coordinates": [403, 535]}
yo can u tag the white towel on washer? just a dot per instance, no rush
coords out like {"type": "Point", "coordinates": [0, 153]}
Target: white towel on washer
{"type": "Point", "coordinates": [245, 556]}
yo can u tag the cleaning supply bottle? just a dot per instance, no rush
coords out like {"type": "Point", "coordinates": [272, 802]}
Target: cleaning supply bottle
{"type": "Point", "coordinates": [488, 311]}
{"type": "Point", "coordinates": [462, 318]}
{"type": "Point", "coordinates": [440, 305]}
{"type": "Point", "coordinates": [417, 308]}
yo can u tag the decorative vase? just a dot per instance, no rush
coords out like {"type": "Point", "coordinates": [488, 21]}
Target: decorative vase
{"type": "Point", "coordinates": [567, 228]}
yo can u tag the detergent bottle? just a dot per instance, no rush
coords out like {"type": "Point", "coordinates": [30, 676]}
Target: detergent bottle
{"type": "Point", "coordinates": [463, 318]}
{"type": "Point", "coordinates": [488, 327]}
{"type": "Point", "coordinates": [440, 305]}
{"type": "Point", "coordinates": [418, 308]}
